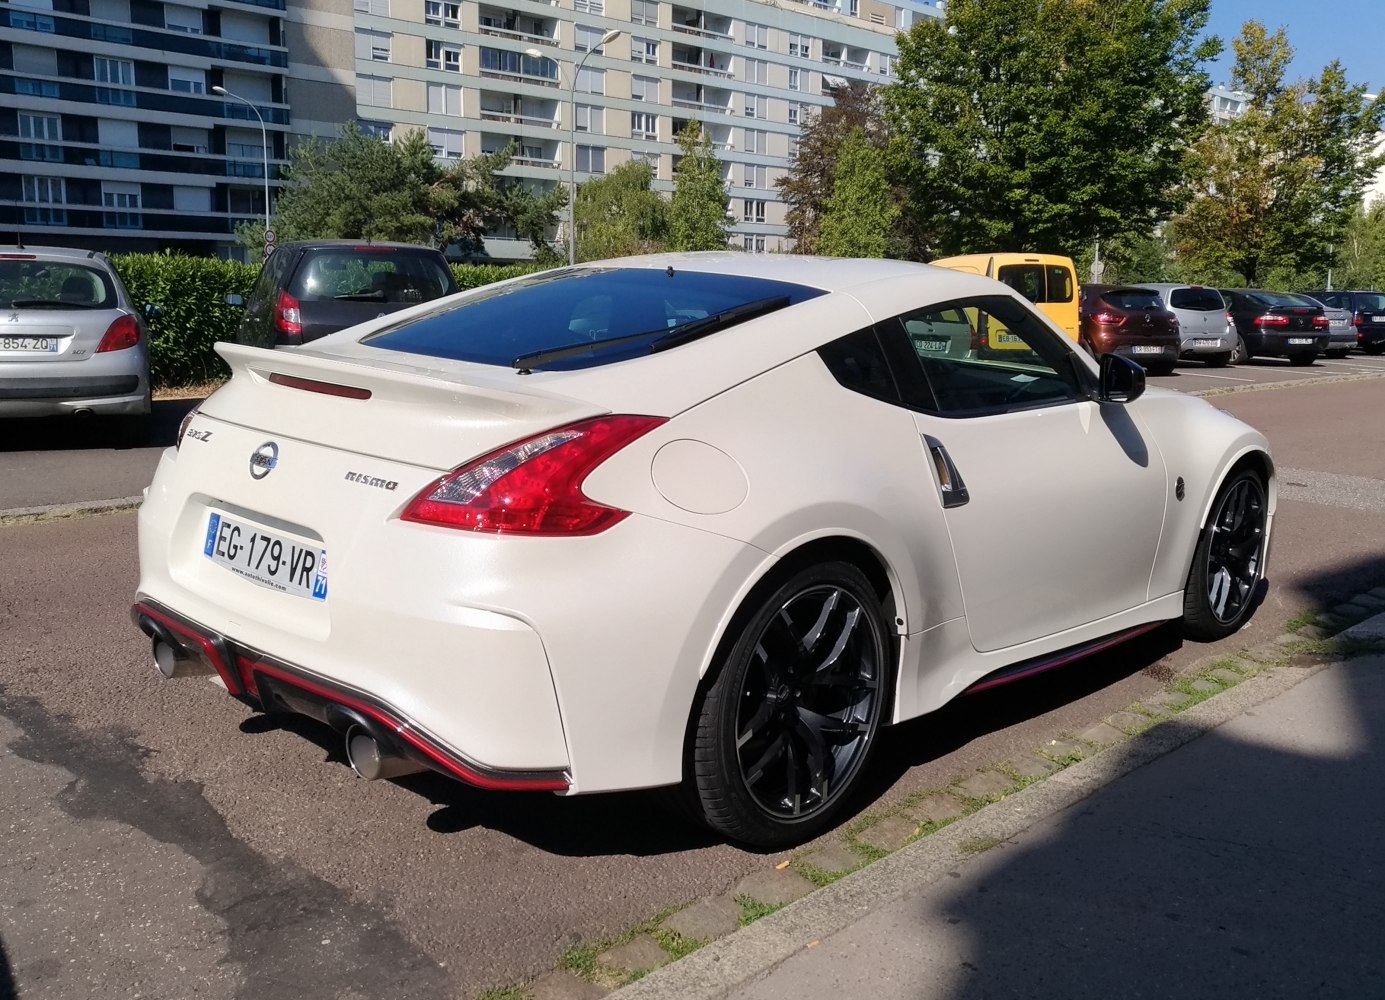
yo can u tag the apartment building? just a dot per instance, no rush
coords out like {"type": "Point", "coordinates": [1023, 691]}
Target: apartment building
{"type": "Point", "coordinates": [144, 125]}
{"type": "Point", "coordinates": [113, 134]}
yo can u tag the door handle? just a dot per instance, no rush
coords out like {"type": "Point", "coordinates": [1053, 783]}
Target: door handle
{"type": "Point", "coordinates": [951, 489]}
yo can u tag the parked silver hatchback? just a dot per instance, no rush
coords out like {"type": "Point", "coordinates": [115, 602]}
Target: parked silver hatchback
{"type": "Point", "coordinates": [1204, 329]}
{"type": "Point", "coordinates": [1341, 332]}
{"type": "Point", "coordinates": [71, 341]}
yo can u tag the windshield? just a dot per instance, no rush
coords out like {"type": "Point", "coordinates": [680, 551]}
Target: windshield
{"type": "Point", "coordinates": [42, 284]}
{"type": "Point", "coordinates": [579, 318]}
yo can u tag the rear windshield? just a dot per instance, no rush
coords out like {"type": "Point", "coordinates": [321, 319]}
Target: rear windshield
{"type": "Point", "coordinates": [42, 284]}
{"type": "Point", "coordinates": [1370, 302]}
{"type": "Point", "coordinates": [1279, 299]}
{"type": "Point", "coordinates": [1133, 298]}
{"type": "Point", "coordinates": [569, 318]}
{"type": "Point", "coordinates": [380, 275]}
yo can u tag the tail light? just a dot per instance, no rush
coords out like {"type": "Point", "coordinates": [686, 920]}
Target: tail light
{"type": "Point", "coordinates": [1268, 320]}
{"type": "Point", "coordinates": [1320, 323]}
{"type": "Point", "coordinates": [183, 427]}
{"type": "Point", "coordinates": [120, 335]}
{"type": "Point", "coordinates": [288, 317]}
{"type": "Point", "coordinates": [1358, 320]}
{"type": "Point", "coordinates": [1109, 319]}
{"type": "Point", "coordinates": [534, 486]}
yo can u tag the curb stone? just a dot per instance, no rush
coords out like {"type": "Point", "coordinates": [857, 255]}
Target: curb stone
{"type": "Point", "coordinates": [56, 510]}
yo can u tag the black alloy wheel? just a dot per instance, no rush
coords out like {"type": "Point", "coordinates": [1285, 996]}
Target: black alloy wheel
{"type": "Point", "coordinates": [786, 728]}
{"type": "Point", "coordinates": [1229, 561]}
{"type": "Point", "coordinates": [1239, 354]}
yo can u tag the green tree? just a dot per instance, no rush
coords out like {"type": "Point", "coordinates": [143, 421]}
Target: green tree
{"type": "Point", "coordinates": [620, 214]}
{"type": "Point", "coordinates": [1044, 124]}
{"type": "Point", "coordinates": [1361, 255]}
{"type": "Point", "coordinates": [360, 187]}
{"type": "Point", "coordinates": [861, 211]}
{"type": "Point", "coordinates": [1274, 189]}
{"type": "Point", "coordinates": [697, 217]}
{"type": "Point", "coordinates": [809, 183]}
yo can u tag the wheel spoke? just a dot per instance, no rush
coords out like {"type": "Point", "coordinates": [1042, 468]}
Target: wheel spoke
{"type": "Point", "coordinates": [776, 749]}
{"type": "Point", "coordinates": [839, 645]}
{"type": "Point", "coordinates": [810, 638]}
{"type": "Point", "coordinates": [761, 716]}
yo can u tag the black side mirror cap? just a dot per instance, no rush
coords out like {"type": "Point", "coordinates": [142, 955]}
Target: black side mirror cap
{"type": "Point", "coordinates": [1122, 380]}
{"type": "Point", "coordinates": [152, 310]}
{"type": "Point", "coordinates": [235, 299]}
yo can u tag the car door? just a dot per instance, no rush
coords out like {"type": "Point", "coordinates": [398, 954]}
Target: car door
{"type": "Point", "coordinates": [1054, 502]}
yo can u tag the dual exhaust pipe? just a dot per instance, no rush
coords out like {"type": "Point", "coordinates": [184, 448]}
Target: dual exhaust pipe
{"type": "Point", "coordinates": [371, 754]}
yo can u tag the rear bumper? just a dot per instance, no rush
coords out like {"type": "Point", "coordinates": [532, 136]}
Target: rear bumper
{"type": "Point", "coordinates": [1196, 347]}
{"type": "Point", "coordinates": [1277, 344]}
{"type": "Point", "coordinates": [114, 383]}
{"type": "Point", "coordinates": [1369, 336]}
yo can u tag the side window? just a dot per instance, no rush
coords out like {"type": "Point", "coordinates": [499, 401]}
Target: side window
{"type": "Point", "coordinates": [1027, 279]}
{"type": "Point", "coordinates": [271, 277]}
{"type": "Point", "coordinates": [1059, 285]}
{"type": "Point", "coordinates": [858, 362]}
{"type": "Point", "coordinates": [1335, 301]}
{"type": "Point", "coordinates": [980, 356]}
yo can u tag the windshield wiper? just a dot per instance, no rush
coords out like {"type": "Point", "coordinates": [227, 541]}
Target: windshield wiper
{"type": "Point", "coordinates": [46, 304]}
{"type": "Point", "coordinates": [673, 338]}
{"type": "Point", "coordinates": [376, 295]}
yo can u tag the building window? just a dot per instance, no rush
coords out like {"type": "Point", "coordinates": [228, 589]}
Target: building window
{"type": "Point", "coordinates": [124, 199]}
{"type": "Point", "coordinates": [184, 19]}
{"type": "Point", "coordinates": [444, 56]}
{"type": "Point", "coordinates": [753, 244]}
{"type": "Point", "coordinates": [650, 158]}
{"type": "Point", "coordinates": [589, 6]}
{"type": "Point", "coordinates": [644, 125]}
{"type": "Point", "coordinates": [754, 141]}
{"type": "Point", "coordinates": [375, 91]}
{"type": "Point", "coordinates": [757, 36]}
{"type": "Point", "coordinates": [446, 143]}
{"type": "Point", "coordinates": [589, 119]}
{"type": "Point", "coordinates": [373, 130]}
{"type": "Point", "coordinates": [854, 8]}
{"type": "Point", "coordinates": [25, 21]}
{"type": "Point", "coordinates": [799, 45]}
{"type": "Point", "coordinates": [120, 72]}
{"type": "Point", "coordinates": [644, 88]}
{"type": "Point", "coordinates": [449, 15]}
{"type": "Point", "coordinates": [586, 38]}
{"type": "Point", "coordinates": [756, 71]}
{"type": "Point", "coordinates": [187, 81]}
{"type": "Point", "coordinates": [756, 176]}
{"type": "Point", "coordinates": [40, 127]}
{"type": "Point", "coordinates": [754, 210]}
{"type": "Point", "coordinates": [498, 61]}
{"type": "Point", "coordinates": [49, 192]}
{"type": "Point", "coordinates": [591, 80]}
{"type": "Point", "coordinates": [443, 99]}
{"type": "Point", "coordinates": [794, 81]}
{"type": "Point", "coordinates": [756, 106]}
{"type": "Point", "coordinates": [795, 113]}
{"type": "Point", "coordinates": [886, 64]}
{"type": "Point", "coordinates": [644, 50]}
{"type": "Point", "coordinates": [644, 12]}
{"type": "Point", "coordinates": [591, 159]}
{"type": "Point", "coordinates": [380, 8]}
{"type": "Point", "coordinates": [372, 45]}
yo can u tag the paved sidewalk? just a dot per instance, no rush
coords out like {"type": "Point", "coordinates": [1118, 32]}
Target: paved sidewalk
{"type": "Point", "coordinates": [1238, 850]}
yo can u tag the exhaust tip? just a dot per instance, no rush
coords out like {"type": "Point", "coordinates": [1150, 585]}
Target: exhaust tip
{"type": "Point", "coordinates": [172, 661]}
{"type": "Point", "coordinates": [372, 762]}
{"type": "Point", "coordinates": [165, 659]}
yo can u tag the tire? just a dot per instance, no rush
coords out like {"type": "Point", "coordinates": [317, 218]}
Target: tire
{"type": "Point", "coordinates": [1217, 360]}
{"type": "Point", "coordinates": [1302, 360]}
{"type": "Point", "coordinates": [1239, 354]}
{"type": "Point", "coordinates": [1229, 561]}
{"type": "Point", "coordinates": [1159, 368]}
{"type": "Point", "coordinates": [782, 735]}
{"type": "Point", "coordinates": [1374, 349]}
{"type": "Point", "coordinates": [1335, 353]}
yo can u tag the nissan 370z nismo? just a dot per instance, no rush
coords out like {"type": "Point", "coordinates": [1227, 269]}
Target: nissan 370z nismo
{"type": "Point", "coordinates": [707, 521]}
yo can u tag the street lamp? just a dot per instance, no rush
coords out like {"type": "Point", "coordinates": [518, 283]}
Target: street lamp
{"type": "Point", "coordinates": [610, 36]}
{"type": "Point", "coordinates": [264, 145]}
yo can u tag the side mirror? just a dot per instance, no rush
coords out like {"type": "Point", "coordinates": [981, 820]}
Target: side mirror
{"type": "Point", "coordinates": [152, 310]}
{"type": "Point", "coordinates": [1122, 380]}
{"type": "Point", "coordinates": [235, 299]}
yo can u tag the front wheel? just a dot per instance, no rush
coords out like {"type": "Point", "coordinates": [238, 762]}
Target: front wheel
{"type": "Point", "coordinates": [1229, 561]}
{"type": "Point", "coordinates": [783, 734]}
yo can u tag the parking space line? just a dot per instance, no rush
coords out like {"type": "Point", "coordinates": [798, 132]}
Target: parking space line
{"type": "Point", "coordinates": [1229, 378]}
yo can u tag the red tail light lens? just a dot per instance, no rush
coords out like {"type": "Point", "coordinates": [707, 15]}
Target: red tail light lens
{"type": "Point", "coordinates": [534, 486]}
{"type": "Point", "coordinates": [1109, 319]}
{"type": "Point", "coordinates": [120, 335]}
{"type": "Point", "coordinates": [1268, 320]}
{"type": "Point", "coordinates": [1320, 323]}
{"type": "Point", "coordinates": [288, 317]}
{"type": "Point", "coordinates": [1357, 320]}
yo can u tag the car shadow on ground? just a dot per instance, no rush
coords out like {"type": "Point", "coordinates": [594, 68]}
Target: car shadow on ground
{"type": "Point", "coordinates": [7, 987]}
{"type": "Point", "coordinates": [158, 430]}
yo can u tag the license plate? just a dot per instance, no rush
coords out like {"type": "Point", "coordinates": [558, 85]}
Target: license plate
{"type": "Point", "coordinates": [1008, 338]}
{"type": "Point", "coordinates": [1207, 343]}
{"type": "Point", "coordinates": [36, 345]}
{"type": "Point", "coordinates": [1300, 340]}
{"type": "Point", "coordinates": [266, 557]}
{"type": "Point", "coordinates": [1146, 349]}
{"type": "Point", "coordinates": [932, 345]}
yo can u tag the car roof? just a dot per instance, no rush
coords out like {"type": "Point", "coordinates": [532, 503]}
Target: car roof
{"type": "Point", "coordinates": [336, 244]}
{"type": "Point", "coordinates": [72, 253]}
{"type": "Point", "coordinates": [830, 274]}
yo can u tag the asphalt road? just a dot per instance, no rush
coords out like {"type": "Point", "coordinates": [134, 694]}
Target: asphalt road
{"type": "Point", "coordinates": [158, 839]}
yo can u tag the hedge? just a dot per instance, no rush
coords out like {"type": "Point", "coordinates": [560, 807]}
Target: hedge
{"type": "Point", "coordinates": [191, 292]}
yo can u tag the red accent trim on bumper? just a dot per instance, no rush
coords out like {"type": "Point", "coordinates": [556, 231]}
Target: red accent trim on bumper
{"type": "Point", "coordinates": [1061, 659]}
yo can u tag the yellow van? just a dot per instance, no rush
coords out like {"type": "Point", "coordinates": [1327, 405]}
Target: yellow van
{"type": "Point", "coordinates": [1047, 280]}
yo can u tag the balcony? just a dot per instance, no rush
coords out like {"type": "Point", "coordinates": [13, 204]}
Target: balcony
{"type": "Point", "coordinates": [518, 27]}
{"type": "Point", "coordinates": [500, 64]}
{"type": "Point", "coordinates": [546, 154]}
{"type": "Point", "coordinates": [698, 60]}
{"type": "Point", "coordinates": [720, 134]}
{"type": "Point", "coordinates": [705, 100]}
{"type": "Point", "coordinates": [513, 109]}
{"type": "Point", "coordinates": [690, 21]}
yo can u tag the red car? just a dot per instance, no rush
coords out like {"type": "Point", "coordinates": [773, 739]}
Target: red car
{"type": "Point", "coordinates": [1132, 322]}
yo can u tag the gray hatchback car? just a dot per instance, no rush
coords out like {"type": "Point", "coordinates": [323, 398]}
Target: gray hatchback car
{"type": "Point", "coordinates": [1203, 326]}
{"type": "Point", "coordinates": [71, 341]}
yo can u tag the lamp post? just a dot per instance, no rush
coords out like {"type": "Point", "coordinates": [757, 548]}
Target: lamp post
{"type": "Point", "coordinates": [610, 36]}
{"type": "Point", "coordinates": [264, 145]}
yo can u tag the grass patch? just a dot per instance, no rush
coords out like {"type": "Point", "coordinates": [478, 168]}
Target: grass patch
{"type": "Point", "coordinates": [821, 876]}
{"type": "Point", "coordinates": [976, 845]}
{"type": "Point", "coordinates": [675, 944]}
{"type": "Point", "coordinates": [506, 994]}
{"type": "Point", "coordinates": [752, 909]}
{"type": "Point", "coordinates": [1301, 621]}
{"type": "Point", "coordinates": [580, 961]}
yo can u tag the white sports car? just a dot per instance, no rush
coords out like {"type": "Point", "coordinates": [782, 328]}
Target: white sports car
{"type": "Point", "coordinates": [707, 520]}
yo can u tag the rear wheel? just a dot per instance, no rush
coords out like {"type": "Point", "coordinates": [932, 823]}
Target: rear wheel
{"type": "Point", "coordinates": [1229, 561]}
{"type": "Point", "coordinates": [1239, 354]}
{"type": "Point", "coordinates": [1336, 353]}
{"type": "Point", "coordinates": [1374, 348]}
{"type": "Point", "coordinates": [784, 732]}
{"type": "Point", "coordinates": [1302, 360]}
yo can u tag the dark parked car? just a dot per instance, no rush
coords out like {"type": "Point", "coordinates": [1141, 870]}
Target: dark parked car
{"type": "Point", "coordinates": [1132, 322]}
{"type": "Point", "coordinates": [310, 289]}
{"type": "Point", "coordinates": [1277, 324]}
{"type": "Point", "coordinates": [1367, 315]}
